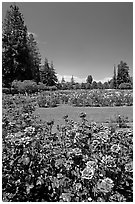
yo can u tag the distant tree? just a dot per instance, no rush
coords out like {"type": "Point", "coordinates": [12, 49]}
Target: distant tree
{"type": "Point", "coordinates": [106, 85]}
{"type": "Point", "coordinates": [123, 73]}
{"type": "Point", "coordinates": [131, 81]}
{"type": "Point", "coordinates": [48, 74]}
{"type": "Point", "coordinates": [114, 85]}
{"type": "Point", "coordinates": [53, 78]}
{"type": "Point", "coordinates": [89, 79]}
{"type": "Point", "coordinates": [35, 57]}
{"type": "Point", "coordinates": [88, 86]}
{"type": "Point", "coordinates": [83, 85]}
{"type": "Point", "coordinates": [99, 85]}
{"type": "Point", "coordinates": [15, 53]}
{"type": "Point", "coordinates": [111, 84]}
{"type": "Point", "coordinates": [68, 85]}
{"type": "Point", "coordinates": [62, 80]}
{"type": "Point", "coordinates": [72, 80]}
{"type": "Point", "coordinates": [94, 85]}
{"type": "Point", "coordinates": [45, 72]}
{"type": "Point", "coordinates": [77, 86]}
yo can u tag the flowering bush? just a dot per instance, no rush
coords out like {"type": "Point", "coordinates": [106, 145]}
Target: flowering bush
{"type": "Point", "coordinates": [25, 86]}
{"type": "Point", "coordinates": [80, 162]}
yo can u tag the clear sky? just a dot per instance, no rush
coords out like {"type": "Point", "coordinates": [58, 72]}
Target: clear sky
{"type": "Point", "coordinates": [81, 38]}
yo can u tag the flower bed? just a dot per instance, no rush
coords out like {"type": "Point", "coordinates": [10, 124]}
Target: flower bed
{"type": "Point", "coordinates": [93, 98]}
{"type": "Point", "coordinates": [80, 162]}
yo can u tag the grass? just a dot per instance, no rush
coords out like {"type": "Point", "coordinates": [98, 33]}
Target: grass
{"type": "Point", "coordinates": [97, 114]}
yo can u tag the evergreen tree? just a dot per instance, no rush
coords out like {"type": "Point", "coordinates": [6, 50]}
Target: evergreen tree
{"type": "Point", "coordinates": [94, 85]}
{"type": "Point", "coordinates": [63, 83]}
{"type": "Point", "coordinates": [62, 80]}
{"type": "Point", "coordinates": [123, 73]}
{"type": "Point", "coordinates": [44, 72]}
{"type": "Point", "coordinates": [15, 54]}
{"type": "Point", "coordinates": [83, 85]}
{"type": "Point", "coordinates": [89, 79]}
{"type": "Point", "coordinates": [48, 75]}
{"type": "Point", "coordinates": [106, 85]}
{"type": "Point", "coordinates": [99, 85]}
{"type": "Point", "coordinates": [35, 58]}
{"type": "Point", "coordinates": [114, 85]}
{"type": "Point", "coordinates": [53, 79]}
{"type": "Point", "coordinates": [72, 80]}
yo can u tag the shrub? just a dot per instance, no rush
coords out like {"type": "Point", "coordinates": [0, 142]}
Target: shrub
{"type": "Point", "coordinates": [25, 86]}
{"type": "Point", "coordinates": [52, 88]}
{"type": "Point", "coordinates": [42, 87]}
{"type": "Point", "coordinates": [30, 86]}
{"type": "Point", "coordinates": [6, 90]}
{"type": "Point", "coordinates": [18, 86]}
{"type": "Point", "coordinates": [125, 86]}
{"type": "Point", "coordinates": [122, 121]}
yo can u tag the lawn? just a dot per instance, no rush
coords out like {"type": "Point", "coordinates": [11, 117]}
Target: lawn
{"type": "Point", "coordinates": [97, 114]}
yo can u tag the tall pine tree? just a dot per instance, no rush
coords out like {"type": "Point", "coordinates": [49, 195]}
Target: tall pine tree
{"type": "Point", "coordinates": [114, 79]}
{"type": "Point", "coordinates": [48, 74]}
{"type": "Point", "coordinates": [15, 54]}
{"type": "Point", "coordinates": [35, 58]}
{"type": "Point", "coordinates": [53, 79]}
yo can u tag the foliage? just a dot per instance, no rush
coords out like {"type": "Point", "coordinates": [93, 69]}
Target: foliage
{"type": "Point", "coordinates": [105, 85]}
{"type": "Point", "coordinates": [89, 79]}
{"type": "Point", "coordinates": [123, 73]}
{"type": "Point", "coordinates": [25, 86]}
{"type": "Point", "coordinates": [6, 90]}
{"type": "Point", "coordinates": [122, 121]}
{"type": "Point", "coordinates": [35, 58]}
{"type": "Point", "coordinates": [94, 85]}
{"type": "Point", "coordinates": [72, 80]}
{"type": "Point", "coordinates": [48, 75]}
{"type": "Point", "coordinates": [99, 85]}
{"type": "Point", "coordinates": [88, 86]}
{"type": "Point", "coordinates": [81, 162]}
{"type": "Point", "coordinates": [15, 55]}
{"type": "Point", "coordinates": [92, 98]}
{"type": "Point", "coordinates": [114, 80]}
{"type": "Point", "coordinates": [125, 86]}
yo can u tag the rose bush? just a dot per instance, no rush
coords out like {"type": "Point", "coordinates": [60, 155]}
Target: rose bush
{"type": "Point", "coordinates": [80, 162]}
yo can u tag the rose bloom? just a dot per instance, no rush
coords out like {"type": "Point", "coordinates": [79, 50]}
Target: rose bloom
{"type": "Point", "coordinates": [95, 142]}
{"type": "Point", "coordinates": [88, 173]}
{"type": "Point", "coordinates": [77, 151]}
{"type": "Point", "coordinates": [115, 148]}
{"type": "Point", "coordinates": [65, 197]}
{"type": "Point", "coordinates": [129, 167]}
{"type": "Point", "coordinates": [78, 186]}
{"type": "Point", "coordinates": [108, 161]}
{"type": "Point", "coordinates": [105, 185]}
{"type": "Point", "coordinates": [92, 164]}
{"type": "Point", "coordinates": [117, 197]}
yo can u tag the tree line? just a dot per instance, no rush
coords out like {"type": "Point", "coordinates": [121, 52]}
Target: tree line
{"type": "Point", "coordinates": [21, 60]}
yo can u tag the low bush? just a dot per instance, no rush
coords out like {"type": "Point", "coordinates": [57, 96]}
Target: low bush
{"type": "Point", "coordinates": [42, 87]}
{"type": "Point", "coordinates": [125, 86]}
{"type": "Point", "coordinates": [25, 86]}
{"type": "Point", "coordinates": [6, 90]}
